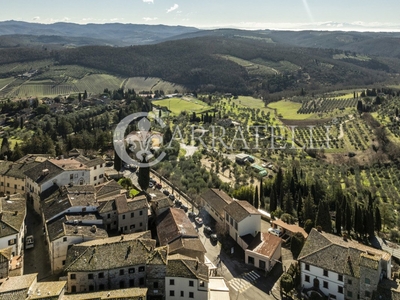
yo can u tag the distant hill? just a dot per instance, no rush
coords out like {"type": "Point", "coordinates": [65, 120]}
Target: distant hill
{"type": "Point", "coordinates": [116, 34]}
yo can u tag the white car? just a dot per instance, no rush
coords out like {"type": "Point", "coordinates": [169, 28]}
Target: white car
{"type": "Point", "coordinates": [275, 231]}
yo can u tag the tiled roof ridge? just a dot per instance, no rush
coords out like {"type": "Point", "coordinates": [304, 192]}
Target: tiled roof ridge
{"type": "Point", "coordinates": [318, 250]}
{"type": "Point", "coordinates": [79, 256]}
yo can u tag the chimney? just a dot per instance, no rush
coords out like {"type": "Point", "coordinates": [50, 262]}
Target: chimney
{"type": "Point", "coordinates": [197, 264]}
{"type": "Point", "coordinates": [45, 172]}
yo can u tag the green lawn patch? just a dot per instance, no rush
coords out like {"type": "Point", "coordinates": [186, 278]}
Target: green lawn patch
{"type": "Point", "coordinates": [178, 105]}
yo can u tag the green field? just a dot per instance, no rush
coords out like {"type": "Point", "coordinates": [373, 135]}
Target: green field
{"type": "Point", "coordinates": [96, 83]}
{"type": "Point", "coordinates": [152, 84]}
{"type": "Point", "coordinates": [5, 81]}
{"type": "Point", "coordinates": [251, 67]}
{"type": "Point", "coordinates": [177, 105]}
{"type": "Point", "coordinates": [250, 102]}
{"type": "Point", "coordinates": [288, 110]}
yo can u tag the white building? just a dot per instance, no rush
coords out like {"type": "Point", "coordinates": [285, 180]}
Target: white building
{"type": "Point", "coordinates": [340, 268]}
{"type": "Point", "coordinates": [186, 278]}
{"type": "Point", "coordinates": [61, 172]}
{"type": "Point", "coordinates": [243, 222]}
{"type": "Point", "coordinates": [264, 251]}
{"type": "Point", "coordinates": [215, 201]}
{"type": "Point", "coordinates": [12, 222]}
{"type": "Point", "coordinates": [69, 230]}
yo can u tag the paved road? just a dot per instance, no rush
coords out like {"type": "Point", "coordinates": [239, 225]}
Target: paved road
{"type": "Point", "coordinates": [36, 259]}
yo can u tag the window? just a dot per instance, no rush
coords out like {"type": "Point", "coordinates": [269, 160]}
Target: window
{"type": "Point", "coordinates": [64, 239]}
{"type": "Point", "coordinates": [141, 213]}
{"type": "Point", "coordinates": [72, 276]}
{"type": "Point", "coordinates": [340, 277]}
{"type": "Point", "coordinates": [307, 267]}
{"type": "Point", "coordinates": [95, 178]}
{"type": "Point", "coordinates": [132, 226]}
{"type": "Point", "coordinates": [172, 293]}
{"type": "Point", "coordinates": [90, 276]}
{"type": "Point", "coordinates": [250, 260]}
{"type": "Point", "coordinates": [307, 278]}
{"type": "Point", "coordinates": [131, 282]}
{"type": "Point", "coordinates": [91, 288]}
{"type": "Point", "coordinates": [236, 226]}
{"type": "Point", "coordinates": [125, 228]}
{"type": "Point", "coordinates": [261, 264]}
{"type": "Point", "coordinates": [191, 283]}
{"type": "Point", "coordinates": [226, 216]}
{"type": "Point", "coordinates": [131, 270]}
{"type": "Point", "coordinates": [122, 284]}
{"type": "Point", "coordinates": [71, 176]}
{"type": "Point", "coordinates": [172, 282]}
{"type": "Point", "coordinates": [8, 185]}
{"type": "Point", "coordinates": [11, 242]}
{"type": "Point", "coordinates": [201, 283]}
{"type": "Point", "coordinates": [123, 217]}
{"type": "Point", "coordinates": [182, 294]}
{"type": "Point", "coordinates": [140, 224]}
{"type": "Point", "coordinates": [331, 296]}
{"type": "Point", "coordinates": [367, 281]}
{"type": "Point", "coordinates": [73, 289]}
{"type": "Point", "coordinates": [63, 262]}
{"type": "Point", "coordinates": [349, 294]}
{"type": "Point", "coordinates": [101, 275]}
{"type": "Point", "coordinates": [141, 281]}
{"type": "Point", "coordinates": [121, 272]}
{"type": "Point", "coordinates": [15, 186]}
{"type": "Point", "coordinates": [141, 269]}
{"type": "Point", "coordinates": [231, 221]}
{"type": "Point", "coordinates": [367, 294]}
{"type": "Point", "coordinates": [132, 215]}
{"type": "Point", "coordinates": [108, 216]}
{"type": "Point", "coordinates": [101, 287]}
{"type": "Point", "coordinates": [340, 289]}
{"type": "Point", "coordinates": [326, 285]}
{"type": "Point", "coordinates": [326, 273]}
{"type": "Point", "coordinates": [191, 295]}
{"type": "Point", "coordinates": [101, 176]}
{"type": "Point", "coordinates": [349, 281]}
{"type": "Point", "coordinates": [155, 284]}
{"type": "Point", "coordinates": [95, 167]}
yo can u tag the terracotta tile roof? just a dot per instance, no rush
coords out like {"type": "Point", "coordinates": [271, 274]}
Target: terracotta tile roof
{"type": "Point", "coordinates": [333, 253]}
{"type": "Point", "coordinates": [174, 224]}
{"type": "Point", "coordinates": [217, 199]}
{"type": "Point", "coordinates": [290, 227]}
{"type": "Point", "coordinates": [240, 209]}
{"type": "Point", "coordinates": [265, 243]}
{"type": "Point", "coordinates": [122, 294]}
{"type": "Point", "coordinates": [12, 214]}
{"type": "Point", "coordinates": [187, 268]}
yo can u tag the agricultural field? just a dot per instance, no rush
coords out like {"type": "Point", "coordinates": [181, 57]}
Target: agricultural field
{"type": "Point", "coordinates": [322, 105]}
{"type": "Point", "coordinates": [356, 57]}
{"type": "Point", "coordinates": [96, 83]}
{"type": "Point", "coordinates": [188, 104]}
{"type": "Point", "coordinates": [25, 66]}
{"type": "Point", "coordinates": [288, 110]}
{"type": "Point", "coordinates": [5, 81]}
{"type": "Point", "coordinates": [251, 67]}
{"type": "Point", "coordinates": [151, 84]}
{"type": "Point", "coordinates": [41, 88]}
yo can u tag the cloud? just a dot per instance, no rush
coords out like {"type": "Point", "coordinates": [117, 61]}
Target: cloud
{"type": "Point", "coordinates": [172, 8]}
{"type": "Point", "coordinates": [66, 19]}
{"type": "Point", "coordinates": [148, 1]}
{"type": "Point", "coordinates": [36, 18]}
{"type": "Point", "coordinates": [147, 19]}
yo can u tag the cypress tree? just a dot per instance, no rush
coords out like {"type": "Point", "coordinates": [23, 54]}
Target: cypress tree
{"type": "Point", "coordinates": [378, 220]}
{"type": "Point", "coordinates": [144, 176]}
{"type": "Point", "coordinates": [272, 200]}
{"type": "Point", "coordinates": [256, 202]}
{"type": "Point", "coordinates": [323, 217]}
{"type": "Point", "coordinates": [338, 221]}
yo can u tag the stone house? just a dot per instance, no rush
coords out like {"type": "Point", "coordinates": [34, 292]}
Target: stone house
{"type": "Point", "coordinates": [215, 200]}
{"type": "Point", "coordinates": [340, 268]}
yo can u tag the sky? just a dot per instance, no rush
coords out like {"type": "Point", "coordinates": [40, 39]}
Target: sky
{"type": "Point", "coordinates": [251, 14]}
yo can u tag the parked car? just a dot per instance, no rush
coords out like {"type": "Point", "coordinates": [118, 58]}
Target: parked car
{"type": "Point", "coordinates": [198, 221]}
{"type": "Point", "coordinates": [178, 203]}
{"type": "Point", "coordinates": [165, 192]}
{"type": "Point", "coordinates": [29, 242]}
{"type": "Point", "coordinates": [158, 186]}
{"type": "Point", "coordinates": [151, 184]}
{"type": "Point", "coordinates": [153, 181]}
{"type": "Point", "coordinates": [207, 230]}
{"type": "Point", "coordinates": [171, 196]}
{"type": "Point", "coordinates": [213, 238]}
{"type": "Point", "coordinates": [184, 207]}
{"type": "Point", "coordinates": [275, 231]}
{"type": "Point", "coordinates": [192, 215]}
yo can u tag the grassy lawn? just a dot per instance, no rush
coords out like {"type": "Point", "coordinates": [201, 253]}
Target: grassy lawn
{"type": "Point", "coordinates": [251, 102]}
{"type": "Point", "coordinates": [177, 105]}
{"type": "Point", "coordinates": [288, 110]}
{"type": "Point", "coordinates": [133, 193]}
